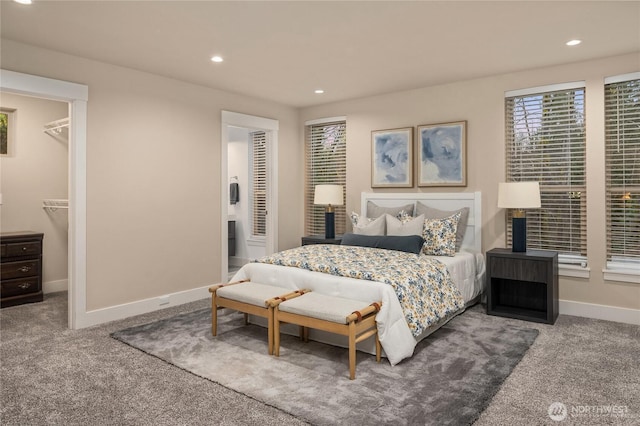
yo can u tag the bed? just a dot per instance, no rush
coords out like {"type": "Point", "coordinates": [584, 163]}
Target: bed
{"type": "Point", "coordinates": [466, 269]}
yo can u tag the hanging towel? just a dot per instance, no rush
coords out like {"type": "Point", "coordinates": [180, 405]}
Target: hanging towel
{"type": "Point", "coordinates": [234, 193]}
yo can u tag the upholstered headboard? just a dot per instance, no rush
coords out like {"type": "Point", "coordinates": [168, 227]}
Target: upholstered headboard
{"type": "Point", "coordinates": [443, 201]}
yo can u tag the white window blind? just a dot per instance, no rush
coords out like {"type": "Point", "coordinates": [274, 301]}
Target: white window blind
{"type": "Point", "coordinates": [258, 183]}
{"type": "Point", "coordinates": [622, 145]}
{"type": "Point", "coordinates": [326, 163]}
{"type": "Point", "coordinates": [545, 142]}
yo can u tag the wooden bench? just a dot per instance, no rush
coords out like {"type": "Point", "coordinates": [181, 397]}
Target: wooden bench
{"type": "Point", "coordinates": [346, 317]}
{"type": "Point", "coordinates": [249, 298]}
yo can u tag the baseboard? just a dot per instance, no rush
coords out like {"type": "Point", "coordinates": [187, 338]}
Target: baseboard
{"type": "Point", "coordinates": [603, 312]}
{"type": "Point", "coordinates": [118, 312]}
{"type": "Point", "coordinates": [54, 286]}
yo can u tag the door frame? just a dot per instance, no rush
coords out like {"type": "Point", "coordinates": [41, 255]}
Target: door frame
{"type": "Point", "coordinates": [77, 96]}
{"type": "Point", "coordinates": [271, 127]}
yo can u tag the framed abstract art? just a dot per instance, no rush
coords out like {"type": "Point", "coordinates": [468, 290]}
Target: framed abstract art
{"type": "Point", "coordinates": [392, 158]}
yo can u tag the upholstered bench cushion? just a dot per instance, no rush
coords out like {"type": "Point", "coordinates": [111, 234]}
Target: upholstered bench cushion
{"type": "Point", "coordinates": [320, 306]}
{"type": "Point", "coordinates": [252, 293]}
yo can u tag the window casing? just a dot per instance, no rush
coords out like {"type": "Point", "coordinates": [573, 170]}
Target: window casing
{"type": "Point", "coordinates": [545, 142]}
{"type": "Point", "coordinates": [622, 162]}
{"type": "Point", "coordinates": [325, 163]}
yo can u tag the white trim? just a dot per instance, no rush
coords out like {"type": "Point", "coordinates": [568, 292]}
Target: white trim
{"type": "Point", "coordinates": [249, 121]}
{"type": "Point", "coordinates": [543, 89]}
{"type": "Point", "coordinates": [567, 270]}
{"type": "Point", "coordinates": [77, 96]}
{"type": "Point", "coordinates": [622, 275]}
{"type": "Point", "coordinates": [602, 312]}
{"type": "Point", "coordinates": [438, 200]}
{"type": "Point", "coordinates": [113, 313]}
{"type": "Point", "coordinates": [325, 120]}
{"type": "Point", "coordinates": [55, 286]}
{"type": "Point", "coordinates": [622, 77]}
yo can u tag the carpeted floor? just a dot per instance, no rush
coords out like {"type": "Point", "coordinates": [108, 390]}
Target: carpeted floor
{"type": "Point", "coordinates": [52, 375]}
{"type": "Point", "coordinates": [450, 379]}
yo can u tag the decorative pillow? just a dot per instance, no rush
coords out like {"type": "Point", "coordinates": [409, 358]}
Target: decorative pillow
{"type": "Point", "coordinates": [374, 210]}
{"type": "Point", "coordinates": [409, 243]}
{"type": "Point", "coordinates": [431, 213]}
{"type": "Point", "coordinates": [366, 226]}
{"type": "Point", "coordinates": [405, 225]}
{"type": "Point", "coordinates": [440, 236]}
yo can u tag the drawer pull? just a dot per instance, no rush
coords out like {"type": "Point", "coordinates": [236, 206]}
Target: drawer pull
{"type": "Point", "coordinates": [25, 269]}
{"type": "Point", "coordinates": [25, 248]}
{"type": "Point", "coordinates": [24, 286]}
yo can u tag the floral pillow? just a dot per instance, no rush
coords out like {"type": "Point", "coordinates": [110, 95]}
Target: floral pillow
{"type": "Point", "coordinates": [440, 236]}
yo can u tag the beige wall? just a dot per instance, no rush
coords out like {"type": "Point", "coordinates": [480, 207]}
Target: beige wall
{"type": "Point", "coordinates": [153, 175]}
{"type": "Point", "coordinates": [481, 103]}
{"type": "Point", "coordinates": [37, 168]}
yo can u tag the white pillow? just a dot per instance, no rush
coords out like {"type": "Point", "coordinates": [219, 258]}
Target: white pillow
{"type": "Point", "coordinates": [405, 226]}
{"type": "Point", "coordinates": [440, 236]}
{"type": "Point", "coordinates": [366, 226]}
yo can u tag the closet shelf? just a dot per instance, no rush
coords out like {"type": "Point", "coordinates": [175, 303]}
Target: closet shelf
{"type": "Point", "coordinates": [51, 205]}
{"type": "Point", "coordinates": [56, 127]}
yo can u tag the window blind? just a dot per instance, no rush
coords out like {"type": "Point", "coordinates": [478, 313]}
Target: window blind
{"type": "Point", "coordinates": [545, 142]}
{"type": "Point", "coordinates": [259, 183]}
{"type": "Point", "coordinates": [622, 160]}
{"type": "Point", "coordinates": [325, 163]}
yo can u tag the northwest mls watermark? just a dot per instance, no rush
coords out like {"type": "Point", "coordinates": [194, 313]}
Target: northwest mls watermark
{"type": "Point", "coordinates": [558, 411]}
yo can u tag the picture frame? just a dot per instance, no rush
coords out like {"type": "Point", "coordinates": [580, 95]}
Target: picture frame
{"type": "Point", "coordinates": [7, 131]}
{"type": "Point", "coordinates": [442, 154]}
{"type": "Point", "coordinates": [392, 158]}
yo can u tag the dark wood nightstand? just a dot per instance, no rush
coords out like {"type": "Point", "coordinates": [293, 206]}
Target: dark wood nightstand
{"type": "Point", "coordinates": [320, 239]}
{"type": "Point", "coordinates": [523, 285]}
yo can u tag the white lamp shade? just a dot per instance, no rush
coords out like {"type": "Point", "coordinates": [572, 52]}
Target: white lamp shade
{"type": "Point", "coordinates": [518, 195]}
{"type": "Point", "coordinates": [328, 194]}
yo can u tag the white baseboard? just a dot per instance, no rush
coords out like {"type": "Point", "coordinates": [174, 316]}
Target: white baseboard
{"type": "Point", "coordinates": [54, 286]}
{"type": "Point", "coordinates": [113, 313]}
{"type": "Point", "coordinates": [603, 312]}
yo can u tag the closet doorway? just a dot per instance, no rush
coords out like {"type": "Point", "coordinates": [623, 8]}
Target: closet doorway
{"type": "Point", "coordinates": [76, 95]}
{"type": "Point", "coordinates": [249, 190]}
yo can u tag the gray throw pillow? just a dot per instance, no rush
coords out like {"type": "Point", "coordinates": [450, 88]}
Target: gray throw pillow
{"type": "Point", "coordinates": [409, 243]}
{"type": "Point", "coordinates": [374, 210]}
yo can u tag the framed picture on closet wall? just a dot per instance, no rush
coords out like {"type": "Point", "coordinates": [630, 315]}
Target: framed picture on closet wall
{"type": "Point", "coordinates": [7, 130]}
{"type": "Point", "coordinates": [392, 158]}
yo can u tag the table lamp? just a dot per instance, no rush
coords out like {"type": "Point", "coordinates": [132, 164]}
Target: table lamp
{"type": "Point", "coordinates": [329, 196]}
{"type": "Point", "coordinates": [519, 196]}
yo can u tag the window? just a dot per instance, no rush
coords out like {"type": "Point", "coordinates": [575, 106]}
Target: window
{"type": "Point", "coordinates": [258, 184]}
{"type": "Point", "coordinates": [545, 142]}
{"type": "Point", "coordinates": [622, 146]}
{"type": "Point", "coordinates": [326, 163]}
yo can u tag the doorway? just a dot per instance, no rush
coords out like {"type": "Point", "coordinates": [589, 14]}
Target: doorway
{"type": "Point", "coordinates": [76, 95]}
{"type": "Point", "coordinates": [249, 196]}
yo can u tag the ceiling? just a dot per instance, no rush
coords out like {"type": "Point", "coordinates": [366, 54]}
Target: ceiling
{"type": "Point", "coordinates": [283, 51]}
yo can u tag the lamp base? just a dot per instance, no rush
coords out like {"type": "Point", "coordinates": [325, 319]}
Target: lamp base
{"type": "Point", "coordinates": [329, 225]}
{"type": "Point", "coordinates": [519, 234]}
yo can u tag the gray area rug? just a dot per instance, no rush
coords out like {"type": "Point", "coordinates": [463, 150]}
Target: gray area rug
{"type": "Point", "coordinates": [450, 379]}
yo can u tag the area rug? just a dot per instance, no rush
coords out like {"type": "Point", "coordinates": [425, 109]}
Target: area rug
{"type": "Point", "coordinates": [450, 379]}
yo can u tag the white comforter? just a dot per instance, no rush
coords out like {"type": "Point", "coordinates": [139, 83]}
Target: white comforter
{"type": "Point", "coordinates": [394, 333]}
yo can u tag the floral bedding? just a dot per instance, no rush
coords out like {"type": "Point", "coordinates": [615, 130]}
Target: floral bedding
{"type": "Point", "coordinates": [423, 286]}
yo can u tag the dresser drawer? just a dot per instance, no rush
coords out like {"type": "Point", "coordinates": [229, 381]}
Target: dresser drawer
{"type": "Point", "coordinates": [24, 268]}
{"type": "Point", "coordinates": [19, 286]}
{"type": "Point", "coordinates": [518, 269]}
{"type": "Point", "coordinates": [28, 248]}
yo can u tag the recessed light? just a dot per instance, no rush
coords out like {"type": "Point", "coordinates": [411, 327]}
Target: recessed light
{"type": "Point", "coordinates": [574, 42]}
{"type": "Point", "coordinates": [217, 58]}
{"type": "Point", "coordinates": [318, 91]}
{"type": "Point", "coordinates": [23, 1]}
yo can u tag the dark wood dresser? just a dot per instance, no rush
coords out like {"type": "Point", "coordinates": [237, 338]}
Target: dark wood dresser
{"type": "Point", "coordinates": [20, 268]}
